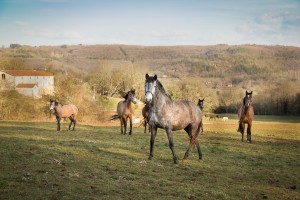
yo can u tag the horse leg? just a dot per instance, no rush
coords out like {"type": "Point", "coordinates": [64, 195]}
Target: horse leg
{"type": "Point", "coordinates": [125, 125]}
{"type": "Point", "coordinates": [242, 130]}
{"type": "Point", "coordinates": [130, 118]}
{"type": "Point", "coordinates": [171, 144]}
{"type": "Point", "coordinates": [121, 121]}
{"type": "Point", "coordinates": [153, 134]}
{"type": "Point", "coordinates": [74, 123]}
{"type": "Point", "coordinates": [58, 123]}
{"type": "Point", "coordinates": [71, 120]}
{"type": "Point", "coordinates": [145, 126]}
{"type": "Point", "coordinates": [249, 132]}
{"type": "Point", "coordinates": [189, 132]}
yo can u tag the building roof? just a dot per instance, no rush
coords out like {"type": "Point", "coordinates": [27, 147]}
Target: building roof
{"type": "Point", "coordinates": [27, 73]}
{"type": "Point", "coordinates": [25, 85]}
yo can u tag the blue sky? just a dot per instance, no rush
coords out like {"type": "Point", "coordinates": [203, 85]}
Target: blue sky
{"type": "Point", "coordinates": [150, 22]}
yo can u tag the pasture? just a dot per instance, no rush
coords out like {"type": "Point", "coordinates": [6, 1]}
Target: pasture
{"type": "Point", "coordinates": [37, 162]}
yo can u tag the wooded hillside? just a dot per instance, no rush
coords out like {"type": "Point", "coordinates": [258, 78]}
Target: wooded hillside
{"type": "Point", "coordinates": [220, 73]}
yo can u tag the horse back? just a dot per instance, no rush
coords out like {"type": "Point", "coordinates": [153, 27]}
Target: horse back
{"type": "Point", "coordinates": [68, 110]}
{"type": "Point", "coordinates": [185, 113]}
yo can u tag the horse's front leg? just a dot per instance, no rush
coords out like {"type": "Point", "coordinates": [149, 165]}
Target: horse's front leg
{"type": "Point", "coordinates": [153, 134]}
{"type": "Point", "coordinates": [249, 132]}
{"type": "Point", "coordinates": [122, 122]}
{"type": "Point", "coordinates": [74, 123]}
{"type": "Point", "coordinates": [58, 123]}
{"type": "Point", "coordinates": [130, 118]}
{"type": "Point", "coordinates": [242, 129]}
{"type": "Point", "coordinates": [125, 125]}
{"type": "Point", "coordinates": [171, 144]}
{"type": "Point", "coordinates": [145, 125]}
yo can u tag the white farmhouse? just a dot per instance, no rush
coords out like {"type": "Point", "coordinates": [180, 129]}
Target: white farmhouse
{"type": "Point", "coordinates": [29, 82]}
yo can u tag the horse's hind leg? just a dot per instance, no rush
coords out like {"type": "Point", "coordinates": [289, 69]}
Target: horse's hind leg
{"type": "Point", "coordinates": [188, 129]}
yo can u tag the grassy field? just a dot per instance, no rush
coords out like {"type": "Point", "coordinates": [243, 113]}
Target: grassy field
{"type": "Point", "coordinates": [98, 163]}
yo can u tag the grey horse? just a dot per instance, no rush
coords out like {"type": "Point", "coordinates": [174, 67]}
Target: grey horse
{"type": "Point", "coordinates": [171, 116]}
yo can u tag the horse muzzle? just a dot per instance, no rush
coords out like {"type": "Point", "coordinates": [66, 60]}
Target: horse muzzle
{"type": "Point", "coordinates": [149, 96]}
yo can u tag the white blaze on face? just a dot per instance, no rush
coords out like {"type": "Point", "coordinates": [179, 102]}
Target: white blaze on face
{"type": "Point", "coordinates": [149, 89]}
{"type": "Point", "coordinates": [52, 105]}
{"type": "Point", "coordinates": [134, 100]}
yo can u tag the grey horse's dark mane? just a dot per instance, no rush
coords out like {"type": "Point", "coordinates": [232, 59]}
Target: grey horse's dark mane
{"type": "Point", "coordinates": [162, 89]}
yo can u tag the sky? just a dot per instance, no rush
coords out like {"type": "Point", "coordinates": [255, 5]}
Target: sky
{"type": "Point", "coordinates": [149, 22]}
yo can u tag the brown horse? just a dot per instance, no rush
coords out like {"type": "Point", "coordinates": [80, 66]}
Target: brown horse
{"type": "Point", "coordinates": [246, 115]}
{"type": "Point", "coordinates": [171, 116]}
{"type": "Point", "coordinates": [201, 106]}
{"type": "Point", "coordinates": [124, 111]}
{"type": "Point", "coordinates": [64, 111]}
{"type": "Point", "coordinates": [145, 113]}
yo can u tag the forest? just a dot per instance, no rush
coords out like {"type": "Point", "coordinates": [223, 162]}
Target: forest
{"type": "Point", "coordinates": [92, 76]}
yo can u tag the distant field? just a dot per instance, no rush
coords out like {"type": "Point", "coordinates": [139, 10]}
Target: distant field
{"type": "Point", "coordinates": [98, 163]}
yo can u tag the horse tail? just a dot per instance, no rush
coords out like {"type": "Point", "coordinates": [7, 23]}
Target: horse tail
{"type": "Point", "coordinates": [114, 117]}
{"type": "Point", "coordinates": [142, 122]}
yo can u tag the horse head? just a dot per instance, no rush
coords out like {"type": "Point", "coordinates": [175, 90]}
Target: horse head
{"type": "Point", "coordinates": [53, 103]}
{"type": "Point", "coordinates": [247, 99]}
{"type": "Point", "coordinates": [201, 103]}
{"type": "Point", "coordinates": [150, 85]}
{"type": "Point", "coordinates": [130, 96]}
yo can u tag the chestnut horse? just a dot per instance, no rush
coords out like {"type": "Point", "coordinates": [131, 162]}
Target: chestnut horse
{"type": "Point", "coordinates": [64, 111]}
{"type": "Point", "coordinates": [246, 115]}
{"type": "Point", "coordinates": [145, 113]}
{"type": "Point", "coordinates": [124, 111]}
{"type": "Point", "coordinates": [171, 116]}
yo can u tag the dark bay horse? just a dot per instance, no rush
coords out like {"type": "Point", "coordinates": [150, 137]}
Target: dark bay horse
{"type": "Point", "coordinates": [124, 110]}
{"type": "Point", "coordinates": [201, 106]}
{"type": "Point", "coordinates": [145, 113]}
{"type": "Point", "coordinates": [246, 115]}
{"type": "Point", "coordinates": [171, 116]}
{"type": "Point", "coordinates": [64, 111]}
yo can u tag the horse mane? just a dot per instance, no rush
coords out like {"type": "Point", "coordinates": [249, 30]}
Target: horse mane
{"type": "Point", "coordinates": [126, 96]}
{"type": "Point", "coordinates": [162, 89]}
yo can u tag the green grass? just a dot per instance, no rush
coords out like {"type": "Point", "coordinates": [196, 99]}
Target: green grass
{"type": "Point", "coordinates": [98, 163]}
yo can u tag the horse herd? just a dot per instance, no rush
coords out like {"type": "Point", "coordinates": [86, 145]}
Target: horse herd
{"type": "Point", "coordinates": [162, 112]}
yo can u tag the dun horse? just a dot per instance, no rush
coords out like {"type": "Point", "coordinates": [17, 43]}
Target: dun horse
{"type": "Point", "coordinates": [171, 116]}
{"type": "Point", "coordinates": [201, 106]}
{"type": "Point", "coordinates": [64, 111]}
{"type": "Point", "coordinates": [124, 111]}
{"type": "Point", "coordinates": [246, 115]}
{"type": "Point", "coordinates": [145, 113]}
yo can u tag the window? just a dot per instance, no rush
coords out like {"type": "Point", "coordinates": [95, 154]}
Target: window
{"type": "Point", "coordinates": [3, 76]}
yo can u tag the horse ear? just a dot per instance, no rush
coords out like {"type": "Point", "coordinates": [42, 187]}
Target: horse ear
{"type": "Point", "coordinates": [147, 76]}
{"type": "Point", "coordinates": [133, 90]}
{"type": "Point", "coordinates": [155, 77]}
{"type": "Point", "coordinates": [250, 92]}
